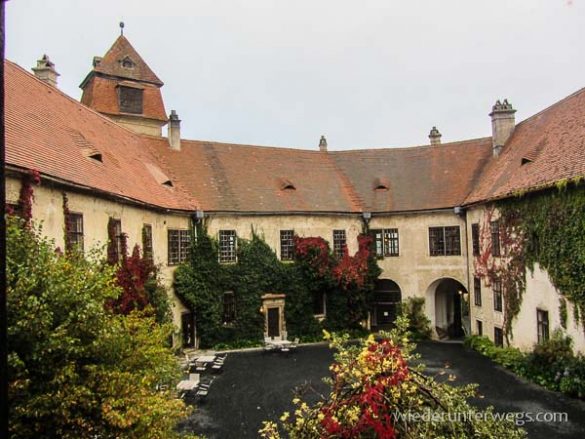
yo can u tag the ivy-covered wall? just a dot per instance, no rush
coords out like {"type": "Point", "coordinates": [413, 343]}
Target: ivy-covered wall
{"type": "Point", "coordinates": [542, 230]}
{"type": "Point", "coordinates": [552, 227]}
{"type": "Point", "coordinates": [202, 281]}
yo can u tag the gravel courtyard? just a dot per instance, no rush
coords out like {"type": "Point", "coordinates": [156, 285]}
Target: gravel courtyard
{"type": "Point", "coordinates": [255, 386]}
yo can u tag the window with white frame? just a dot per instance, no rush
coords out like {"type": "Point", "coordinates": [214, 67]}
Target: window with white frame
{"type": "Point", "coordinates": [179, 241]}
{"type": "Point", "coordinates": [227, 245]}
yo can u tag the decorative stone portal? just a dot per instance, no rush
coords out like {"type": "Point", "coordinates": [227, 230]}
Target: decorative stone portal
{"type": "Point", "coordinates": [387, 298]}
{"type": "Point", "coordinates": [273, 310]}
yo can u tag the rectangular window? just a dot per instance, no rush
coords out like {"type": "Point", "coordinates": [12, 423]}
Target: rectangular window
{"type": "Point", "coordinates": [115, 235]}
{"type": "Point", "coordinates": [542, 325]}
{"type": "Point", "coordinates": [498, 337]}
{"type": "Point", "coordinates": [229, 307]}
{"type": "Point", "coordinates": [287, 245]}
{"type": "Point", "coordinates": [227, 245]}
{"type": "Point", "coordinates": [179, 241]}
{"type": "Point", "coordinates": [147, 250]}
{"type": "Point", "coordinates": [74, 230]}
{"type": "Point", "coordinates": [391, 242]}
{"type": "Point", "coordinates": [378, 237]}
{"type": "Point", "coordinates": [495, 232]}
{"type": "Point", "coordinates": [477, 290]}
{"type": "Point", "coordinates": [444, 241]}
{"type": "Point", "coordinates": [130, 99]}
{"type": "Point", "coordinates": [479, 325]}
{"type": "Point", "coordinates": [498, 299]}
{"type": "Point", "coordinates": [386, 242]}
{"type": "Point", "coordinates": [339, 242]}
{"type": "Point", "coordinates": [475, 238]}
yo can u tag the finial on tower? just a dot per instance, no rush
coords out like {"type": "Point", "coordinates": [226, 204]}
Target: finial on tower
{"type": "Point", "coordinates": [121, 28]}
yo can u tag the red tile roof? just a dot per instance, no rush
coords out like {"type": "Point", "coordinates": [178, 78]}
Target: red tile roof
{"type": "Point", "coordinates": [111, 63]}
{"type": "Point", "coordinates": [544, 149]}
{"type": "Point", "coordinates": [416, 178]}
{"type": "Point", "coordinates": [48, 131]}
{"type": "Point", "coordinates": [242, 178]}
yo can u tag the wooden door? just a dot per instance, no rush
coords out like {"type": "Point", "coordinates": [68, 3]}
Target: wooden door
{"type": "Point", "coordinates": [273, 322]}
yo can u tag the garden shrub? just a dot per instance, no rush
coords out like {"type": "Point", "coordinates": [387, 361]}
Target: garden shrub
{"type": "Point", "coordinates": [377, 392]}
{"type": "Point", "coordinates": [551, 364]}
{"type": "Point", "coordinates": [75, 368]}
{"type": "Point", "coordinates": [413, 309]}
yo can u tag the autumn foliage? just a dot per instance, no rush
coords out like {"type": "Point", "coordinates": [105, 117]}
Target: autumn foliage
{"type": "Point", "coordinates": [378, 391]}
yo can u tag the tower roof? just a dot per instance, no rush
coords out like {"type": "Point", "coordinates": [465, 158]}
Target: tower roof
{"type": "Point", "coordinates": [123, 61]}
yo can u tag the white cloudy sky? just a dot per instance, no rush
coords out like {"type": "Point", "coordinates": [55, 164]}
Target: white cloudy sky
{"type": "Point", "coordinates": [366, 73]}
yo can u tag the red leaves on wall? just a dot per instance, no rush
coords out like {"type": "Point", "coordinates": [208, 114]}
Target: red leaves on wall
{"type": "Point", "coordinates": [133, 273]}
{"type": "Point", "coordinates": [315, 252]}
{"type": "Point", "coordinates": [353, 270]}
{"type": "Point", "coordinates": [25, 200]}
{"type": "Point", "coordinates": [348, 271]}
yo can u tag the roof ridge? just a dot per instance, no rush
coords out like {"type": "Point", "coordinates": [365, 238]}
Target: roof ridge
{"type": "Point", "coordinates": [107, 65]}
{"type": "Point", "coordinates": [299, 149]}
{"type": "Point", "coordinates": [535, 115]}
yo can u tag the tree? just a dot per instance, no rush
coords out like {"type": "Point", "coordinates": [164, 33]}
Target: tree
{"type": "Point", "coordinates": [377, 392]}
{"type": "Point", "coordinates": [76, 369]}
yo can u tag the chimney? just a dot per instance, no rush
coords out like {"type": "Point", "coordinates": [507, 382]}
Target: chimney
{"type": "Point", "coordinates": [503, 124]}
{"type": "Point", "coordinates": [323, 144]}
{"type": "Point", "coordinates": [174, 131]}
{"type": "Point", "coordinates": [435, 136]}
{"type": "Point", "coordinates": [45, 71]}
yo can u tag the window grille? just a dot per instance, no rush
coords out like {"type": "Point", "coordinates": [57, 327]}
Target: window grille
{"type": "Point", "coordinates": [339, 242]}
{"type": "Point", "coordinates": [227, 245]}
{"type": "Point", "coordinates": [286, 245]}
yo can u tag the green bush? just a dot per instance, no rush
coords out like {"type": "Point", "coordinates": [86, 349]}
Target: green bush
{"type": "Point", "coordinates": [413, 309]}
{"type": "Point", "coordinates": [76, 369]}
{"type": "Point", "coordinates": [547, 363]}
{"type": "Point", "coordinates": [551, 364]}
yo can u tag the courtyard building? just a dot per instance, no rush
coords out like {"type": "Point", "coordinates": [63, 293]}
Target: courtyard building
{"type": "Point", "coordinates": [428, 208]}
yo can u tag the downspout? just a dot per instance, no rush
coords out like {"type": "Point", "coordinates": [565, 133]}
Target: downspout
{"type": "Point", "coordinates": [463, 212]}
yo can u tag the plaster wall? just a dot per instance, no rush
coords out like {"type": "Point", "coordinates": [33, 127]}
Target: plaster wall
{"type": "Point", "coordinates": [415, 271]}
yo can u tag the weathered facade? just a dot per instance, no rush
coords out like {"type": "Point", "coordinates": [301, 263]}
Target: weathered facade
{"type": "Point", "coordinates": [108, 156]}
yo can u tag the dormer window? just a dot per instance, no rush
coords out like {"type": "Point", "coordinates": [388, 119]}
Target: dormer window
{"type": "Point", "coordinates": [160, 177]}
{"type": "Point", "coordinates": [381, 184]}
{"type": "Point", "coordinates": [97, 156]}
{"type": "Point", "coordinates": [92, 153]}
{"type": "Point", "coordinates": [127, 63]}
{"type": "Point", "coordinates": [130, 99]}
{"type": "Point", "coordinates": [524, 161]}
{"type": "Point", "coordinates": [286, 185]}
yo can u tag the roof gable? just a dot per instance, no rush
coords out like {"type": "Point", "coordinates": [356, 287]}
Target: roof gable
{"type": "Point", "coordinates": [123, 61]}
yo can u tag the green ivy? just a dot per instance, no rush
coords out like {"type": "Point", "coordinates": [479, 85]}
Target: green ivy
{"type": "Point", "coordinates": [202, 281]}
{"type": "Point", "coordinates": [552, 227]}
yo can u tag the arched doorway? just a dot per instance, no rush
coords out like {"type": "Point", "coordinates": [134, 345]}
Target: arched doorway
{"type": "Point", "coordinates": [448, 297]}
{"type": "Point", "coordinates": [386, 303]}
